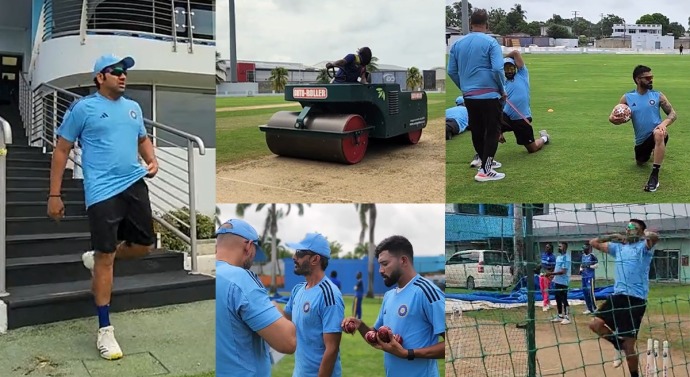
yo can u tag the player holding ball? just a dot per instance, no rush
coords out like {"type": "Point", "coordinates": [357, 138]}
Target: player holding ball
{"type": "Point", "coordinates": [412, 316]}
{"type": "Point", "coordinates": [641, 105]}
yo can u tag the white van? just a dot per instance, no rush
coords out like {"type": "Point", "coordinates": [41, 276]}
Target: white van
{"type": "Point", "coordinates": [479, 268]}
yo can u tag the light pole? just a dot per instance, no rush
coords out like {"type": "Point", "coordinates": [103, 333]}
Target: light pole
{"type": "Point", "coordinates": [233, 44]}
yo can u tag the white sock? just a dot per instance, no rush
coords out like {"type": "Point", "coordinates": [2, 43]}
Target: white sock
{"type": "Point", "coordinates": [545, 139]}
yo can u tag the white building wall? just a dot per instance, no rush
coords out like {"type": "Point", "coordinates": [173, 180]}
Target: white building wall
{"type": "Point", "coordinates": [649, 42]}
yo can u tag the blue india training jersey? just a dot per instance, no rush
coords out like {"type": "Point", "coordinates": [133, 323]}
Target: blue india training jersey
{"type": "Point", "coordinates": [242, 309]}
{"type": "Point", "coordinates": [631, 271]}
{"type": "Point", "coordinates": [548, 261]}
{"type": "Point", "coordinates": [586, 262]}
{"type": "Point", "coordinates": [518, 94]}
{"type": "Point", "coordinates": [562, 262]}
{"type": "Point", "coordinates": [108, 132]}
{"type": "Point", "coordinates": [476, 62]}
{"type": "Point", "coordinates": [459, 114]}
{"type": "Point", "coordinates": [315, 311]}
{"type": "Point", "coordinates": [645, 113]}
{"type": "Point", "coordinates": [351, 71]}
{"type": "Point", "coordinates": [417, 313]}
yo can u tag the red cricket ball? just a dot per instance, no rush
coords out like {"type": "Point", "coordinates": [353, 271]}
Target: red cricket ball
{"type": "Point", "coordinates": [370, 336]}
{"type": "Point", "coordinates": [350, 327]}
{"type": "Point", "coordinates": [385, 334]}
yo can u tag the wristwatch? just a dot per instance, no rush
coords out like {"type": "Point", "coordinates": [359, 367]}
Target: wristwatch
{"type": "Point", "coordinates": [410, 354]}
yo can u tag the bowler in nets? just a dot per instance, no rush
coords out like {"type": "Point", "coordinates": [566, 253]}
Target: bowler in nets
{"type": "Point", "coordinates": [619, 317]}
{"type": "Point", "coordinates": [651, 135]}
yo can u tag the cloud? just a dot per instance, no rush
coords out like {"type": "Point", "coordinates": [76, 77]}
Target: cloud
{"type": "Point", "coordinates": [422, 224]}
{"type": "Point", "coordinates": [405, 32]}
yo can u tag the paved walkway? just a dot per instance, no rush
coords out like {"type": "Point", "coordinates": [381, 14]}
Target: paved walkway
{"type": "Point", "coordinates": [176, 340]}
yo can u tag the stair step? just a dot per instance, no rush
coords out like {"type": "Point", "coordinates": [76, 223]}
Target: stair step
{"type": "Point", "coordinates": [47, 303]}
{"type": "Point", "coordinates": [13, 171]}
{"type": "Point", "coordinates": [38, 209]}
{"type": "Point", "coordinates": [41, 245]}
{"type": "Point", "coordinates": [42, 182]}
{"type": "Point", "coordinates": [33, 225]}
{"type": "Point", "coordinates": [41, 194]}
{"type": "Point", "coordinates": [65, 268]}
{"type": "Point", "coordinates": [29, 153]}
{"type": "Point", "coordinates": [23, 162]}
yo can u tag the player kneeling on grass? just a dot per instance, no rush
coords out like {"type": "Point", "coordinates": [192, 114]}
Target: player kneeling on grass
{"type": "Point", "coordinates": [650, 131]}
{"type": "Point", "coordinates": [317, 309]}
{"type": "Point", "coordinates": [517, 115]}
{"type": "Point", "coordinates": [246, 319]}
{"type": "Point", "coordinates": [456, 119]}
{"type": "Point", "coordinates": [412, 316]}
{"type": "Point", "coordinates": [618, 319]}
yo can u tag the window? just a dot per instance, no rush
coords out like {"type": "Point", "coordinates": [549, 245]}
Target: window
{"type": "Point", "coordinates": [188, 110]}
{"type": "Point", "coordinates": [496, 258]}
{"type": "Point", "coordinates": [10, 60]}
{"type": "Point", "coordinates": [472, 209]}
{"type": "Point", "coordinates": [496, 210]}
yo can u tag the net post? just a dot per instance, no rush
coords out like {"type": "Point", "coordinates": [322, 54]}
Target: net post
{"type": "Point", "coordinates": [530, 265]}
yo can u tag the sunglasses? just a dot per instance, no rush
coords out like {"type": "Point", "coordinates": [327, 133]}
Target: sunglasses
{"type": "Point", "coordinates": [648, 78]}
{"type": "Point", "coordinates": [302, 253]}
{"type": "Point", "coordinates": [117, 71]}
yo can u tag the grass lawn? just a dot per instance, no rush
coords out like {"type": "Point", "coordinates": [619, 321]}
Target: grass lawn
{"type": "Point", "coordinates": [588, 159]}
{"type": "Point", "coordinates": [356, 357]}
{"type": "Point", "coordinates": [238, 137]}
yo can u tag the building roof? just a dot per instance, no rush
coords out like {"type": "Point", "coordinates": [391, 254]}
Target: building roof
{"type": "Point", "coordinates": [288, 65]}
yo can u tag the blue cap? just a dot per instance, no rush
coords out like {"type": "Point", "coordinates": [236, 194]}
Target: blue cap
{"type": "Point", "coordinates": [509, 61]}
{"type": "Point", "coordinates": [243, 229]}
{"type": "Point", "coordinates": [460, 100]}
{"type": "Point", "coordinates": [111, 59]}
{"type": "Point", "coordinates": [313, 242]}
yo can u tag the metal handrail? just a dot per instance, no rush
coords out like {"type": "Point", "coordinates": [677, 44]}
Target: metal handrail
{"type": "Point", "coordinates": [159, 19]}
{"type": "Point", "coordinates": [5, 139]}
{"type": "Point", "coordinates": [48, 112]}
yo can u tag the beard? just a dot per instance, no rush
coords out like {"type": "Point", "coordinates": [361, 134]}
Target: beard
{"type": "Point", "coordinates": [302, 269]}
{"type": "Point", "coordinates": [391, 280]}
{"type": "Point", "coordinates": [248, 264]}
{"type": "Point", "coordinates": [647, 86]}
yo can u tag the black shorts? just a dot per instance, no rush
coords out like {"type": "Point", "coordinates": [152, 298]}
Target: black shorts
{"type": "Point", "coordinates": [524, 134]}
{"type": "Point", "coordinates": [644, 151]}
{"type": "Point", "coordinates": [623, 314]}
{"type": "Point", "coordinates": [125, 217]}
{"type": "Point", "coordinates": [452, 128]}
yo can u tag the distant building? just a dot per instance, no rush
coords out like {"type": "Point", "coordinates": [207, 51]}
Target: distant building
{"type": "Point", "coordinates": [621, 30]}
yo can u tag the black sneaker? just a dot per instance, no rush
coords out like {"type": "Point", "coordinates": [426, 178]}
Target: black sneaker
{"type": "Point", "coordinates": [652, 183]}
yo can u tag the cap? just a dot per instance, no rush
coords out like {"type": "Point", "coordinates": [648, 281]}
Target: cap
{"type": "Point", "coordinates": [509, 60]}
{"type": "Point", "coordinates": [243, 229]}
{"type": "Point", "coordinates": [313, 242]}
{"type": "Point", "coordinates": [111, 59]}
{"type": "Point", "coordinates": [460, 100]}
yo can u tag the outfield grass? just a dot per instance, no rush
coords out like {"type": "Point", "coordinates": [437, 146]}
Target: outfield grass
{"type": "Point", "coordinates": [357, 359]}
{"type": "Point", "coordinates": [588, 159]}
{"type": "Point", "coordinates": [238, 137]}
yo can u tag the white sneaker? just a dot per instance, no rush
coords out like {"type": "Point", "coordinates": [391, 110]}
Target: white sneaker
{"type": "Point", "coordinates": [586, 312]}
{"type": "Point", "coordinates": [545, 308]}
{"type": "Point", "coordinates": [565, 321]}
{"type": "Point", "coordinates": [557, 319]}
{"type": "Point", "coordinates": [107, 344]}
{"type": "Point", "coordinates": [619, 359]}
{"type": "Point", "coordinates": [88, 259]}
{"type": "Point", "coordinates": [477, 163]}
{"type": "Point", "coordinates": [492, 175]}
{"type": "Point", "coordinates": [543, 133]}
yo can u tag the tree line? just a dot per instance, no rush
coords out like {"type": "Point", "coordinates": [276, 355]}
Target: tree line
{"type": "Point", "coordinates": [504, 22]}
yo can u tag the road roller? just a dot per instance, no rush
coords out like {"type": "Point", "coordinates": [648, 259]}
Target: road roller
{"type": "Point", "coordinates": [337, 120]}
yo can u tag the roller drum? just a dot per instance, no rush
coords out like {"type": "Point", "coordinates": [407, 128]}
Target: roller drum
{"type": "Point", "coordinates": [312, 142]}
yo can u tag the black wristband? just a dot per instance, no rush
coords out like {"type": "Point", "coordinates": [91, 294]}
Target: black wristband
{"type": "Point", "coordinates": [410, 354]}
{"type": "Point", "coordinates": [55, 195]}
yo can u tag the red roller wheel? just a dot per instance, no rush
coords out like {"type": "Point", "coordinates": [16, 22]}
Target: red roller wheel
{"type": "Point", "coordinates": [414, 136]}
{"type": "Point", "coordinates": [354, 146]}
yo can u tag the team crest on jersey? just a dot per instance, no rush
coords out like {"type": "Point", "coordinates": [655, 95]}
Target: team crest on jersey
{"type": "Point", "coordinates": [652, 102]}
{"type": "Point", "coordinates": [306, 307]}
{"type": "Point", "coordinates": [402, 310]}
{"type": "Point", "coordinates": [133, 114]}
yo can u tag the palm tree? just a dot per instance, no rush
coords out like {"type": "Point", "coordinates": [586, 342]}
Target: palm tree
{"type": "Point", "coordinates": [271, 229]}
{"type": "Point", "coordinates": [279, 78]}
{"type": "Point", "coordinates": [221, 73]}
{"type": "Point", "coordinates": [323, 78]}
{"type": "Point", "coordinates": [414, 78]}
{"type": "Point", "coordinates": [373, 66]}
{"type": "Point", "coordinates": [363, 209]}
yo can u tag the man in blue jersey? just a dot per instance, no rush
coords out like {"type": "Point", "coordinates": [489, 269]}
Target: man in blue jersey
{"type": "Point", "coordinates": [561, 279]}
{"type": "Point", "coordinates": [352, 67]}
{"type": "Point", "coordinates": [588, 264]}
{"type": "Point", "coordinates": [111, 133]}
{"type": "Point", "coordinates": [517, 115]}
{"type": "Point", "coordinates": [246, 320]}
{"type": "Point", "coordinates": [548, 262]}
{"type": "Point", "coordinates": [651, 134]}
{"type": "Point", "coordinates": [456, 120]}
{"type": "Point", "coordinates": [475, 65]}
{"type": "Point", "coordinates": [335, 280]}
{"type": "Point", "coordinates": [359, 296]}
{"type": "Point", "coordinates": [317, 309]}
{"type": "Point", "coordinates": [415, 310]}
{"type": "Point", "coordinates": [618, 319]}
